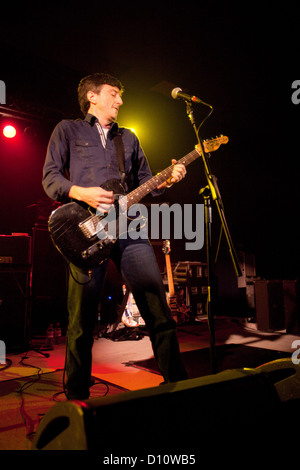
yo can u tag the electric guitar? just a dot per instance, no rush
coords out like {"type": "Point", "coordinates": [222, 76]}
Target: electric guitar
{"type": "Point", "coordinates": [180, 312]}
{"type": "Point", "coordinates": [84, 237]}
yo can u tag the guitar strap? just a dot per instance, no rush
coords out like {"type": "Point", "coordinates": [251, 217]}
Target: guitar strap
{"type": "Point", "coordinates": [119, 146]}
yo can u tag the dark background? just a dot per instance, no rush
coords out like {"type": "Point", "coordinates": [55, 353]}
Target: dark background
{"type": "Point", "coordinates": [242, 58]}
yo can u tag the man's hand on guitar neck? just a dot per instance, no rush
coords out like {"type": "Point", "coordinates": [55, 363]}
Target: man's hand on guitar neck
{"type": "Point", "coordinates": [178, 173]}
{"type": "Point", "coordinates": [96, 197]}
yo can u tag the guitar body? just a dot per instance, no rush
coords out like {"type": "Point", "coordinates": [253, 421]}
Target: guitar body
{"type": "Point", "coordinates": [68, 237]}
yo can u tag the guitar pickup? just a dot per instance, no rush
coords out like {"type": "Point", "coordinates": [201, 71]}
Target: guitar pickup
{"type": "Point", "coordinates": [89, 227]}
{"type": "Point", "coordinates": [93, 249]}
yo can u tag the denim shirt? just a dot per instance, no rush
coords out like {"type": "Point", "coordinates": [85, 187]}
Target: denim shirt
{"type": "Point", "coordinates": [76, 156]}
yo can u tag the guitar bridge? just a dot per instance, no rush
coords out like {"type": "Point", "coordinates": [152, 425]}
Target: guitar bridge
{"type": "Point", "coordinates": [89, 227]}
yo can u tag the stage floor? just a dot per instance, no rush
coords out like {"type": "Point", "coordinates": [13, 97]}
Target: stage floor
{"type": "Point", "coordinates": [30, 384]}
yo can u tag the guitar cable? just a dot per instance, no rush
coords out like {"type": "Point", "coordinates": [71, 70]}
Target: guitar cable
{"type": "Point", "coordinates": [69, 270]}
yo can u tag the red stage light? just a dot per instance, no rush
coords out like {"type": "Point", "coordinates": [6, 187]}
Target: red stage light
{"type": "Point", "coordinates": [9, 131]}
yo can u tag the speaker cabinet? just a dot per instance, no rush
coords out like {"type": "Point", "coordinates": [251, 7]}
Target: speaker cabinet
{"type": "Point", "coordinates": [14, 290]}
{"type": "Point", "coordinates": [48, 283]}
{"type": "Point", "coordinates": [177, 416]}
{"type": "Point", "coordinates": [14, 311]}
{"type": "Point", "coordinates": [291, 294]}
{"type": "Point", "coordinates": [269, 305]}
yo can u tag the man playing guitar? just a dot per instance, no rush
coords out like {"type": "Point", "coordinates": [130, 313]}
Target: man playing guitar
{"type": "Point", "coordinates": [81, 157]}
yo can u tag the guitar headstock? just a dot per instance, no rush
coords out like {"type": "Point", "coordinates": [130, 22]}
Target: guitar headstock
{"type": "Point", "coordinates": [166, 247]}
{"type": "Point", "coordinates": [211, 145]}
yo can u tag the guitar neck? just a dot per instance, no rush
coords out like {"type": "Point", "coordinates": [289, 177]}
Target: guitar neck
{"type": "Point", "coordinates": [139, 193]}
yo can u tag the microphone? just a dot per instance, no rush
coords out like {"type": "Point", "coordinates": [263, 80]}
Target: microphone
{"type": "Point", "coordinates": [177, 93]}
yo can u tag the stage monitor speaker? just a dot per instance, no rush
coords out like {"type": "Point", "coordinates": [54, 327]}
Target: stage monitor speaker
{"type": "Point", "coordinates": [180, 416]}
{"type": "Point", "coordinates": [269, 305]}
{"type": "Point", "coordinates": [285, 374]}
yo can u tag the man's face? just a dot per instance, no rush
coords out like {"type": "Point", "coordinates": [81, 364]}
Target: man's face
{"type": "Point", "coordinates": [107, 102]}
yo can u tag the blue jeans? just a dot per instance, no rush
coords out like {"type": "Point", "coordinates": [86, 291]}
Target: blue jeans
{"type": "Point", "coordinates": [136, 262]}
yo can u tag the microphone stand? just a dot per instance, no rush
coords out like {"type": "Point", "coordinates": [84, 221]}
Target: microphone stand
{"type": "Point", "coordinates": [211, 192]}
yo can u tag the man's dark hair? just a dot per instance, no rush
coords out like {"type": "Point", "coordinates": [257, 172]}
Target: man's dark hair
{"type": "Point", "coordinates": [94, 83]}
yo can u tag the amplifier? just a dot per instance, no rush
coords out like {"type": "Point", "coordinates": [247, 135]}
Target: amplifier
{"type": "Point", "coordinates": [15, 249]}
{"type": "Point", "coordinates": [269, 303]}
